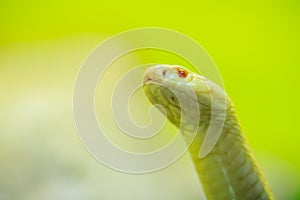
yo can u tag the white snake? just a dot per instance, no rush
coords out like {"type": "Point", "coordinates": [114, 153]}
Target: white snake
{"type": "Point", "coordinates": [229, 170]}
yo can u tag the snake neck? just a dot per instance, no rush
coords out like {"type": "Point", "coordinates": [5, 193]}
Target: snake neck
{"type": "Point", "coordinates": [229, 171]}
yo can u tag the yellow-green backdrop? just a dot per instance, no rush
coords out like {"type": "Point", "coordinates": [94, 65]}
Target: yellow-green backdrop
{"type": "Point", "coordinates": [255, 45]}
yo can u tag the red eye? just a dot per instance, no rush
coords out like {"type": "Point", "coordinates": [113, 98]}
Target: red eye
{"type": "Point", "coordinates": [182, 73]}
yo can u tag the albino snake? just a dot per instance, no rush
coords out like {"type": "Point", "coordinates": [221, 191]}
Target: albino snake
{"type": "Point", "coordinates": [228, 171]}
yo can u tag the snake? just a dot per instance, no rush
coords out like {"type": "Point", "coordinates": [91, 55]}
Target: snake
{"type": "Point", "coordinates": [228, 170]}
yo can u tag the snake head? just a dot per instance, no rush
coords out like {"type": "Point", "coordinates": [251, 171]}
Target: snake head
{"type": "Point", "coordinates": [163, 84]}
{"type": "Point", "coordinates": [169, 86]}
{"type": "Point", "coordinates": [189, 101]}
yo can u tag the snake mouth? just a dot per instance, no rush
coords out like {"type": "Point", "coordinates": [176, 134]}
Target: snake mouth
{"type": "Point", "coordinates": [177, 92]}
{"type": "Point", "coordinates": [149, 80]}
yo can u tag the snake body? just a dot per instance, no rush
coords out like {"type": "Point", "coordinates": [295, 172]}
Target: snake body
{"type": "Point", "coordinates": [229, 170]}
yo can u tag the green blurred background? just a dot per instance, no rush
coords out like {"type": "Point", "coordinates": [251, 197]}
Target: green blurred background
{"type": "Point", "coordinates": [255, 45]}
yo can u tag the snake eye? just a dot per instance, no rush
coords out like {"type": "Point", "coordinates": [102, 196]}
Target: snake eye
{"type": "Point", "coordinates": [182, 73]}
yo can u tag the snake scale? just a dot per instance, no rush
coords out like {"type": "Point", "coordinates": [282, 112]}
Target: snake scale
{"type": "Point", "coordinates": [229, 170]}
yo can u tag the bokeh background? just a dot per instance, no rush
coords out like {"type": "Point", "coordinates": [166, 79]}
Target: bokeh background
{"type": "Point", "coordinates": [255, 45]}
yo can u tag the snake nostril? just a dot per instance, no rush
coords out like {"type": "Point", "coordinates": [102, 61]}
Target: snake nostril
{"type": "Point", "coordinates": [164, 73]}
{"type": "Point", "coordinates": [147, 79]}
